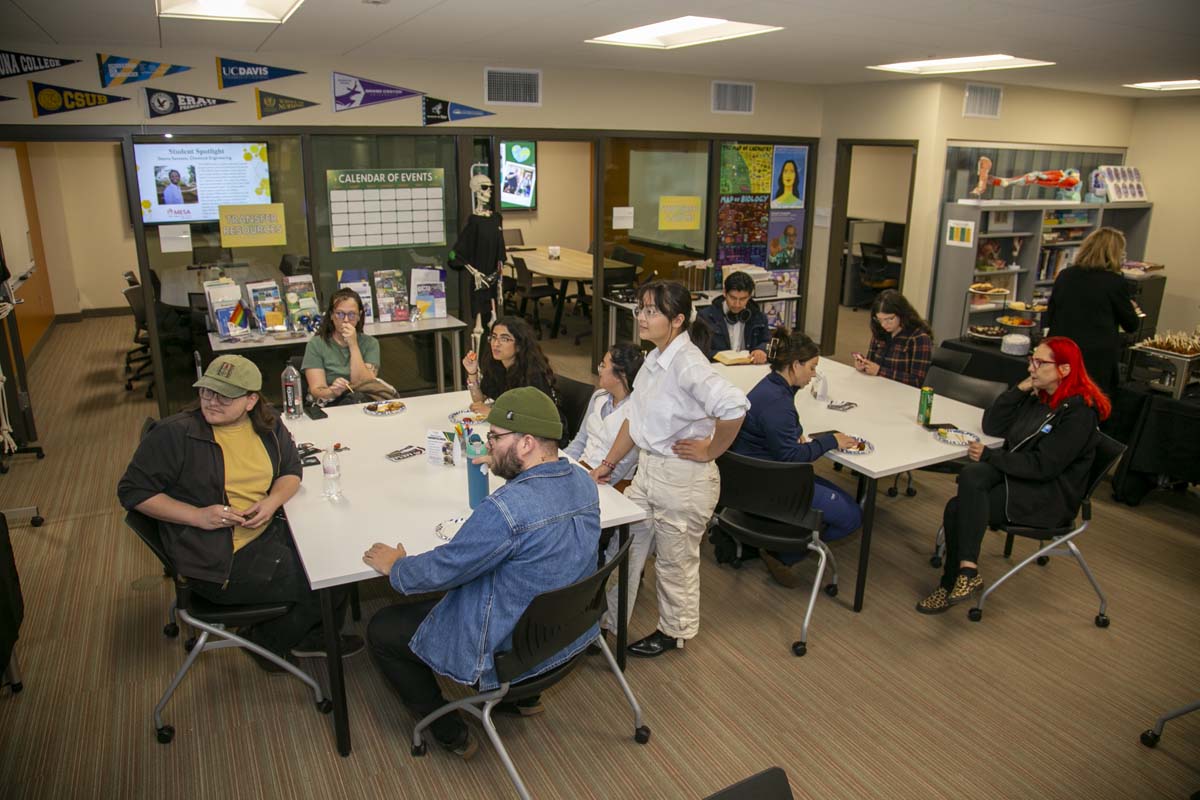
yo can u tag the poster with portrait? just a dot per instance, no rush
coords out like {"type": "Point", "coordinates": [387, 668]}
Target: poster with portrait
{"type": "Point", "coordinates": [785, 238]}
{"type": "Point", "coordinates": [790, 169]}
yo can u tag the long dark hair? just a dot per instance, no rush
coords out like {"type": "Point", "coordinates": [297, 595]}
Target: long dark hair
{"type": "Point", "coordinates": [890, 301]}
{"type": "Point", "coordinates": [327, 326]}
{"type": "Point", "coordinates": [530, 367]}
{"type": "Point", "coordinates": [627, 359]}
{"type": "Point", "coordinates": [672, 298]}
{"type": "Point", "coordinates": [779, 179]}
{"type": "Point", "coordinates": [262, 417]}
{"type": "Point", "coordinates": [787, 347]}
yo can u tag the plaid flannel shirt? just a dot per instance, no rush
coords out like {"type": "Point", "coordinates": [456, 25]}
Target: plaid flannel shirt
{"type": "Point", "coordinates": [904, 358]}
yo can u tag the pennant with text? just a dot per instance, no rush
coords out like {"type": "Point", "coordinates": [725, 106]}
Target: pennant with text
{"type": "Point", "coordinates": [14, 64]}
{"type": "Point", "coordinates": [231, 72]}
{"type": "Point", "coordinates": [48, 99]}
{"type": "Point", "coordinates": [269, 104]}
{"type": "Point", "coordinates": [351, 92]}
{"type": "Point", "coordinates": [163, 103]}
{"type": "Point", "coordinates": [435, 111]}
{"type": "Point", "coordinates": [115, 70]}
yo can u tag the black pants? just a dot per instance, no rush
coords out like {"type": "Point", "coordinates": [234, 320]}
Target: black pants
{"type": "Point", "coordinates": [389, 634]}
{"type": "Point", "coordinates": [981, 500]}
{"type": "Point", "coordinates": [268, 570]}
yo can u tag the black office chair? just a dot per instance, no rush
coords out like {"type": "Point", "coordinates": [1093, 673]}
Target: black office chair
{"type": "Point", "coordinates": [950, 360]}
{"type": "Point", "coordinates": [206, 254]}
{"type": "Point", "coordinates": [573, 398]}
{"type": "Point", "coordinates": [513, 237]}
{"type": "Point", "coordinates": [624, 255]}
{"type": "Point", "coordinates": [873, 270]}
{"type": "Point", "coordinates": [768, 504]}
{"type": "Point", "coordinates": [1054, 541]}
{"type": "Point", "coordinates": [529, 291]}
{"type": "Point", "coordinates": [131, 278]}
{"type": "Point", "coordinates": [291, 264]}
{"type": "Point", "coordinates": [552, 621]}
{"type": "Point", "coordinates": [138, 364]}
{"type": "Point", "coordinates": [212, 620]}
{"type": "Point", "coordinates": [770, 784]}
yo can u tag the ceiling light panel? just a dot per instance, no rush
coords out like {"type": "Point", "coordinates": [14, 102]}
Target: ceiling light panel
{"type": "Point", "coordinates": [1165, 86]}
{"type": "Point", "coordinates": [683, 32]}
{"type": "Point", "coordinates": [944, 66]}
{"type": "Point", "coordinates": [270, 11]}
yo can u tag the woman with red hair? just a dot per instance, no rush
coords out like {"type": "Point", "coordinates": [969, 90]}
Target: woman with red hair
{"type": "Point", "coordinates": [1038, 478]}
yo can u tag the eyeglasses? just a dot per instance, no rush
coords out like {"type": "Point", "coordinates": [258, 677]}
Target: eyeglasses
{"type": "Point", "coordinates": [500, 338]}
{"type": "Point", "coordinates": [885, 319]}
{"type": "Point", "coordinates": [492, 437]}
{"type": "Point", "coordinates": [348, 316]}
{"type": "Point", "coordinates": [646, 312]}
{"type": "Point", "coordinates": [217, 397]}
{"type": "Point", "coordinates": [1037, 363]}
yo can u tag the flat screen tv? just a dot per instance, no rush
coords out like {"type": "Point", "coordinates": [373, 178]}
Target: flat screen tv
{"type": "Point", "coordinates": [518, 175]}
{"type": "Point", "coordinates": [188, 181]}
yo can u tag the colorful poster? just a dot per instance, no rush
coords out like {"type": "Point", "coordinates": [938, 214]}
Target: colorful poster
{"type": "Point", "coordinates": [48, 99]}
{"type": "Point", "coordinates": [231, 73]}
{"type": "Point", "coordinates": [790, 168]}
{"type": "Point", "coordinates": [785, 239]}
{"type": "Point", "coordinates": [252, 225]}
{"type": "Point", "coordinates": [678, 213]}
{"type": "Point", "coordinates": [116, 70]}
{"type": "Point", "coordinates": [269, 104]}
{"type": "Point", "coordinates": [746, 168]}
{"type": "Point", "coordinates": [755, 254]}
{"type": "Point", "coordinates": [378, 209]}
{"type": "Point", "coordinates": [14, 64]}
{"type": "Point", "coordinates": [518, 175]}
{"type": "Point", "coordinates": [435, 111]}
{"type": "Point", "coordinates": [162, 103]}
{"type": "Point", "coordinates": [351, 92]}
{"type": "Point", "coordinates": [743, 219]}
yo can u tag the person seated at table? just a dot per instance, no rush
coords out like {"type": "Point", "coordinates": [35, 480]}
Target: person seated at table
{"type": "Point", "coordinates": [901, 342]}
{"type": "Point", "coordinates": [772, 432]}
{"type": "Point", "coordinates": [215, 477]}
{"type": "Point", "coordinates": [512, 359]}
{"type": "Point", "coordinates": [606, 413]}
{"type": "Point", "coordinates": [340, 357]}
{"type": "Point", "coordinates": [537, 533]}
{"type": "Point", "coordinates": [1038, 478]}
{"type": "Point", "coordinates": [735, 321]}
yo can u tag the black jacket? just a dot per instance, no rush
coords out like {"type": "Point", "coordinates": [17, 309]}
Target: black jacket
{"type": "Point", "coordinates": [178, 457]}
{"type": "Point", "coordinates": [1086, 306]}
{"type": "Point", "coordinates": [756, 333]}
{"type": "Point", "coordinates": [1046, 458]}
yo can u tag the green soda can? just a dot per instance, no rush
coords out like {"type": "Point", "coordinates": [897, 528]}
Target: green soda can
{"type": "Point", "coordinates": [925, 409]}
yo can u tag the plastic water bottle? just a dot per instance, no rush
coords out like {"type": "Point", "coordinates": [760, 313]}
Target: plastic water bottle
{"type": "Point", "coordinates": [292, 392]}
{"type": "Point", "coordinates": [331, 468]}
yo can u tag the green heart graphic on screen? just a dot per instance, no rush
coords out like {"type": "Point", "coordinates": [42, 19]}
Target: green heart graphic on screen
{"type": "Point", "coordinates": [520, 152]}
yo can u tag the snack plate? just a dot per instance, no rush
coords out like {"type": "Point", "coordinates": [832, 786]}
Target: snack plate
{"type": "Point", "coordinates": [468, 416]}
{"type": "Point", "coordinates": [868, 448]}
{"type": "Point", "coordinates": [384, 408]}
{"type": "Point", "coordinates": [985, 336]}
{"type": "Point", "coordinates": [955, 436]}
{"type": "Point", "coordinates": [993, 292]}
{"type": "Point", "coordinates": [446, 530]}
{"type": "Point", "coordinates": [1024, 323]}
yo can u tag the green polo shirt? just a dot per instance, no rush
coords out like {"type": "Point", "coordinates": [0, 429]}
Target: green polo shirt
{"type": "Point", "coordinates": [335, 359]}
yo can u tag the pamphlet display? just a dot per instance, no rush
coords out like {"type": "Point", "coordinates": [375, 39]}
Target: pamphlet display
{"type": "Point", "coordinates": [391, 294]}
{"type": "Point", "coordinates": [356, 279]}
{"type": "Point", "coordinates": [190, 182]}
{"type": "Point", "coordinates": [267, 303]}
{"type": "Point", "coordinates": [300, 296]}
{"type": "Point", "coordinates": [382, 209]}
{"type": "Point", "coordinates": [229, 314]}
{"type": "Point", "coordinates": [428, 291]}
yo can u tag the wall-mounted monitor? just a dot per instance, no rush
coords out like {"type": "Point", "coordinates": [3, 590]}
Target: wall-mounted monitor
{"type": "Point", "coordinates": [518, 175]}
{"type": "Point", "coordinates": [187, 182]}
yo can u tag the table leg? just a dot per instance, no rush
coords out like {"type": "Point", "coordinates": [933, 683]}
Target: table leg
{"type": "Point", "coordinates": [622, 599]}
{"type": "Point", "coordinates": [456, 355]}
{"type": "Point", "coordinates": [440, 357]}
{"type": "Point", "coordinates": [864, 541]}
{"type": "Point", "coordinates": [562, 303]}
{"type": "Point", "coordinates": [612, 326]}
{"type": "Point", "coordinates": [337, 680]}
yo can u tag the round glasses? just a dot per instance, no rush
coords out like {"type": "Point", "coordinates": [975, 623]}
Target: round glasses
{"type": "Point", "coordinates": [347, 316]}
{"type": "Point", "coordinates": [646, 312]}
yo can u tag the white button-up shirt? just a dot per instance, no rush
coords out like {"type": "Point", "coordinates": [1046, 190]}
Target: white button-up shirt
{"type": "Point", "coordinates": [677, 395]}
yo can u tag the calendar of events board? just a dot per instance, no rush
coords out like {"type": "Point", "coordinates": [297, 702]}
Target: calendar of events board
{"type": "Point", "coordinates": [386, 208]}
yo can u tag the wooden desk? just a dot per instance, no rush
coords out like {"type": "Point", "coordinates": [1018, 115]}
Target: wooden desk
{"type": "Point", "coordinates": [572, 265]}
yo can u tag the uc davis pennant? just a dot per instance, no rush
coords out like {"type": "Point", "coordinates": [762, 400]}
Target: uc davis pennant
{"type": "Point", "coordinates": [231, 72]}
{"type": "Point", "coordinates": [351, 92]}
{"type": "Point", "coordinates": [435, 111]}
{"type": "Point", "coordinates": [270, 104]}
{"type": "Point", "coordinates": [14, 64]}
{"type": "Point", "coordinates": [48, 99]}
{"type": "Point", "coordinates": [115, 70]}
{"type": "Point", "coordinates": [162, 103]}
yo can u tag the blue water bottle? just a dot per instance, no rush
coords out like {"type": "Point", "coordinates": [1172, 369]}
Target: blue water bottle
{"type": "Point", "coordinates": [477, 474]}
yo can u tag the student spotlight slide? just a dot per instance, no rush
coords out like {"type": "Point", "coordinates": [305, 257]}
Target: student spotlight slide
{"type": "Point", "coordinates": [188, 182]}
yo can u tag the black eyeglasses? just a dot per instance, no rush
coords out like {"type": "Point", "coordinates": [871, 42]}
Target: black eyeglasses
{"type": "Point", "coordinates": [218, 398]}
{"type": "Point", "coordinates": [348, 316]}
{"type": "Point", "coordinates": [492, 437]}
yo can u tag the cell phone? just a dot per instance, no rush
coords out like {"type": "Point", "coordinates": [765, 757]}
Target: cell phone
{"type": "Point", "coordinates": [933, 426]}
{"type": "Point", "coordinates": [310, 461]}
{"type": "Point", "coordinates": [307, 449]}
{"type": "Point", "coordinates": [845, 405]}
{"type": "Point", "coordinates": [315, 412]}
{"type": "Point", "coordinates": [405, 452]}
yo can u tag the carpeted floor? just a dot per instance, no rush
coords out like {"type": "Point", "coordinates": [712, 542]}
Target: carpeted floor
{"type": "Point", "coordinates": [1034, 701]}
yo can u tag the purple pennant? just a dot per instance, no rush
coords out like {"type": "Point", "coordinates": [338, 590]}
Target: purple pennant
{"type": "Point", "coordinates": [352, 92]}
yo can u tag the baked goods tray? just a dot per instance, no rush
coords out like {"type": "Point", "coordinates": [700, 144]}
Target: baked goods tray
{"type": "Point", "coordinates": [1165, 353]}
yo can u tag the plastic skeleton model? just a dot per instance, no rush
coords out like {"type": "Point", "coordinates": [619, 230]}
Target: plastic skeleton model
{"type": "Point", "coordinates": [1066, 181]}
{"type": "Point", "coordinates": [480, 242]}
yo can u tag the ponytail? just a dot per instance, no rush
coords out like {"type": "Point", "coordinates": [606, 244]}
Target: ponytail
{"type": "Point", "coordinates": [787, 347]}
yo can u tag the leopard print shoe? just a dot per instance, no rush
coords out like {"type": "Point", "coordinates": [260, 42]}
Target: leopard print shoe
{"type": "Point", "coordinates": [964, 587]}
{"type": "Point", "coordinates": [936, 603]}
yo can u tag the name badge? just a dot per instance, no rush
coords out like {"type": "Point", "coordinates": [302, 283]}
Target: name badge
{"type": "Point", "coordinates": [1046, 428]}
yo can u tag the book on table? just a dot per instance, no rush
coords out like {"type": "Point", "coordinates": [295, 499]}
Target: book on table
{"type": "Point", "coordinates": [733, 357]}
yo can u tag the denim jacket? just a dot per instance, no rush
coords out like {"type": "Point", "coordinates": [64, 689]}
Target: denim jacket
{"type": "Point", "coordinates": [537, 533]}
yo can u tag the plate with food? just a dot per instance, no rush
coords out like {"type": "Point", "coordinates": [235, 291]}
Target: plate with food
{"type": "Point", "coordinates": [384, 408]}
{"type": "Point", "coordinates": [991, 332]}
{"type": "Point", "coordinates": [987, 289]}
{"type": "Point", "coordinates": [468, 417]}
{"type": "Point", "coordinates": [861, 447]}
{"type": "Point", "coordinates": [446, 530]}
{"type": "Point", "coordinates": [955, 436]}
{"type": "Point", "coordinates": [1011, 321]}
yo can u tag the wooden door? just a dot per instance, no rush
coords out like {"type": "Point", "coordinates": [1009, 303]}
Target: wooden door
{"type": "Point", "coordinates": [21, 240]}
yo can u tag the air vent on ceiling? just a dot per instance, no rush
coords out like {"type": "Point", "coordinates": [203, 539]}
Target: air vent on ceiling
{"type": "Point", "coordinates": [512, 87]}
{"type": "Point", "coordinates": [732, 98]}
{"type": "Point", "coordinates": [981, 100]}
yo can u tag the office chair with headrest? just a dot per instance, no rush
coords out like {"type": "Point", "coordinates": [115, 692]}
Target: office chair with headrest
{"type": "Point", "coordinates": [873, 270]}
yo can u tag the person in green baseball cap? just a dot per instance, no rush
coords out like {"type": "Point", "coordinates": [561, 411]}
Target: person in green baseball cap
{"type": "Point", "coordinates": [538, 532]}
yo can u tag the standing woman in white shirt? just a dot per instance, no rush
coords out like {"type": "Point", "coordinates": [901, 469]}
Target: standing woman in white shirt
{"type": "Point", "coordinates": [682, 416]}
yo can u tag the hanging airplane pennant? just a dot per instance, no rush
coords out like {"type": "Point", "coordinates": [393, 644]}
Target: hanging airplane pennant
{"type": "Point", "coordinates": [163, 103]}
{"type": "Point", "coordinates": [270, 104]}
{"type": "Point", "coordinates": [115, 70]}
{"type": "Point", "coordinates": [435, 111]}
{"type": "Point", "coordinates": [351, 92]}
{"type": "Point", "coordinates": [14, 64]}
{"type": "Point", "coordinates": [231, 72]}
{"type": "Point", "coordinates": [48, 99]}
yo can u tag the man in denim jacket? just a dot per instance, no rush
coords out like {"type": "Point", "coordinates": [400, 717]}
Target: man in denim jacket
{"type": "Point", "coordinates": [537, 533]}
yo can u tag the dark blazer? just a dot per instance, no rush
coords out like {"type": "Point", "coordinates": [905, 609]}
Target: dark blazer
{"type": "Point", "coordinates": [771, 430]}
{"type": "Point", "coordinates": [756, 334]}
{"type": "Point", "coordinates": [1086, 306]}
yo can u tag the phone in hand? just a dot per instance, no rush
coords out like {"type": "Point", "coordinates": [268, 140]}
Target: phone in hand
{"type": "Point", "coordinates": [315, 412]}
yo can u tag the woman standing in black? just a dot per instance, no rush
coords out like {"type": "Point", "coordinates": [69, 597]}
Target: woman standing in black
{"type": "Point", "coordinates": [1090, 300]}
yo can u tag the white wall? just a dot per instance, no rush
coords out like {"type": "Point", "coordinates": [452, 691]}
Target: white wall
{"type": "Point", "coordinates": [879, 179]}
{"type": "Point", "coordinates": [563, 216]}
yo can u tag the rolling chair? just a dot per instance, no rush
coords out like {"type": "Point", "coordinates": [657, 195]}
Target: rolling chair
{"type": "Point", "coordinates": [291, 264]}
{"type": "Point", "coordinates": [573, 398]}
{"type": "Point", "coordinates": [950, 360]}
{"type": "Point", "coordinates": [1054, 541]}
{"type": "Point", "coordinates": [139, 355]}
{"type": "Point", "coordinates": [614, 278]}
{"type": "Point", "coordinates": [529, 291]}
{"type": "Point", "coordinates": [513, 237]}
{"type": "Point", "coordinates": [131, 278]}
{"type": "Point", "coordinates": [770, 784]}
{"type": "Point", "coordinates": [552, 621]}
{"type": "Point", "coordinates": [874, 268]}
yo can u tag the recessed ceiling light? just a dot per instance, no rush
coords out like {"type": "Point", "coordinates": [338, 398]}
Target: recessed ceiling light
{"type": "Point", "coordinates": [274, 12]}
{"type": "Point", "coordinates": [941, 66]}
{"type": "Point", "coordinates": [682, 32]}
{"type": "Point", "coordinates": [1165, 86]}
{"type": "Point", "coordinates": [168, 136]}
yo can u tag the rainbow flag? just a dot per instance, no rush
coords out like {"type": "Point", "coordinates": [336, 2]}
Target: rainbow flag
{"type": "Point", "coordinates": [238, 315]}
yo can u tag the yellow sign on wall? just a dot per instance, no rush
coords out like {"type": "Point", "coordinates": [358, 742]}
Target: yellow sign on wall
{"type": "Point", "coordinates": [678, 213]}
{"type": "Point", "coordinates": [252, 226]}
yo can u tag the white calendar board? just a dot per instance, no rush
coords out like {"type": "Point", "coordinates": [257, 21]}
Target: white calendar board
{"type": "Point", "coordinates": [379, 209]}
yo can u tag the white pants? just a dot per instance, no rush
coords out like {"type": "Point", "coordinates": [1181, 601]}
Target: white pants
{"type": "Point", "coordinates": [678, 497]}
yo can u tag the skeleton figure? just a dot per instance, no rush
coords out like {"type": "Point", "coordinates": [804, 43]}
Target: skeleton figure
{"type": "Point", "coordinates": [1066, 181]}
{"type": "Point", "coordinates": [480, 251]}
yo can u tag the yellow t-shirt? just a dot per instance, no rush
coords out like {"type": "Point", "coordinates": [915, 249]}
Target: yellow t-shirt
{"type": "Point", "coordinates": [247, 473]}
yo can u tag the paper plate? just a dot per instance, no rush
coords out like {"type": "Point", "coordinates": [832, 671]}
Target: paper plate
{"type": "Point", "coordinates": [383, 408]}
{"type": "Point", "coordinates": [867, 449]}
{"type": "Point", "coordinates": [955, 436]}
{"type": "Point", "coordinates": [468, 416]}
{"type": "Point", "coordinates": [446, 530]}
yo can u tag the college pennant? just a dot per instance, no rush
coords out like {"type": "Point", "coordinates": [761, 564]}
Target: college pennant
{"type": "Point", "coordinates": [14, 64]}
{"type": "Point", "coordinates": [163, 103]}
{"type": "Point", "coordinates": [231, 72]}
{"type": "Point", "coordinates": [435, 111]}
{"type": "Point", "coordinates": [269, 104]}
{"type": "Point", "coordinates": [48, 99]}
{"type": "Point", "coordinates": [116, 70]}
{"type": "Point", "coordinates": [351, 92]}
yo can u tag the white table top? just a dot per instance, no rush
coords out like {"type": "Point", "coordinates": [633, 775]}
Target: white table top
{"type": "Point", "coordinates": [708, 296]}
{"type": "Point", "coordinates": [573, 265]}
{"type": "Point", "coordinates": [886, 416]}
{"type": "Point", "coordinates": [386, 501]}
{"type": "Point", "coordinates": [372, 328]}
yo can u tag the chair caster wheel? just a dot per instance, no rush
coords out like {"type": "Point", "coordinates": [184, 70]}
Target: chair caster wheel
{"type": "Point", "coordinates": [641, 735]}
{"type": "Point", "coordinates": [129, 386]}
{"type": "Point", "coordinates": [189, 644]}
{"type": "Point", "coordinates": [1149, 738]}
{"type": "Point", "coordinates": [325, 706]}
{"type": "Point", "coordinates": [975, 614]}
{"type": "Point", "coordinates": [40, 456]}
{"type": "Point", "coordinates": [419, 750]}
{"type": "Point", "coordinates": [165, 734]}
{"type": "Point", "coordinates": [16, 688]}
{"type": "Point", "coordinates": [736, 563]}
{"type": "Point", "coordinates": [891, 492]}
{"type": "Point", "coordinates": [1043, 560]}
{"type": "Point", "coordinates": [831, 590]}
{"type": "Point", "coordinates": [170, 630]}
{"type": "Point", "coordinates": [1102, 621]}
{"type": "Point", "coordinates": [799, 648]}
{"type": "Point", "coordinates": [3, 469]}
{"type": "Point", "coordinates": [935, 561]}
{"type": "Point", "coordinates": [910, 492]}
{"type": "Point", "coordinates": [37, 522]}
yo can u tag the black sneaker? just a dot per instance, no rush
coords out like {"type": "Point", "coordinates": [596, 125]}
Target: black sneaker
{"type": "Point", "coordinates": [654, 645]}
{"type": "Point", "coordinates": [464, 748]}
{"type": "Point", "coordinates": [529, 707]}
{"type": "Point", "coordinates": [315, 648]}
